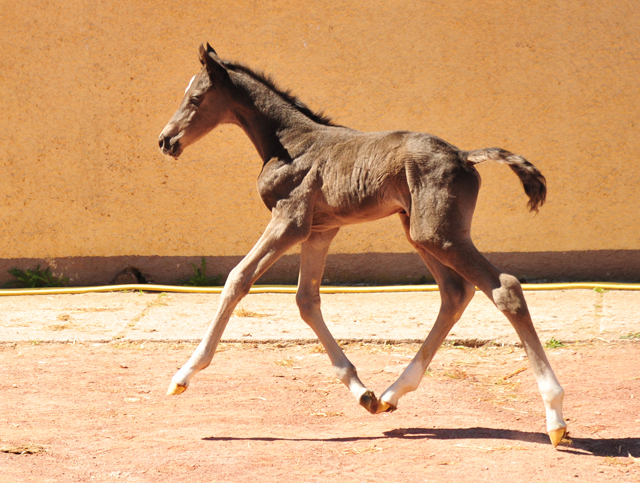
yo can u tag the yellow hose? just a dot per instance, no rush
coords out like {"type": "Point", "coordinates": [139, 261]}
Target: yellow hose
{"type": "Point", "coordinates": [292, 288]}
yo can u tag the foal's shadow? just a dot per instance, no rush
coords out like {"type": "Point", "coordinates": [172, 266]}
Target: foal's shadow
{"type": "Point", "coordinates": [579, 446]}
{"type": "Point", "coordinates": [582, 446]}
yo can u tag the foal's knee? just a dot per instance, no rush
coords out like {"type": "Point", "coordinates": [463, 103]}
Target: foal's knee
{"type": "Point", "coordinates": [508, 297]}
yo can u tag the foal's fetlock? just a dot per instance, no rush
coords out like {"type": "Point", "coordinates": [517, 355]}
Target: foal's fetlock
{"type": "Point", "coordinates": [369, 401]}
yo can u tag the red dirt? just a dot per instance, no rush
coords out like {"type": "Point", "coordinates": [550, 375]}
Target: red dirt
{"type": "Point", "coordinates": [278, 414]}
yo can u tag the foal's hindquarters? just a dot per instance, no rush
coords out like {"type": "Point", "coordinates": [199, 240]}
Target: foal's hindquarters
{"type": "Point", "coordinates": [440, 232]}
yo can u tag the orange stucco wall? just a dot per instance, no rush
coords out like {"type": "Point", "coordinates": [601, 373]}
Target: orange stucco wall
{"type": "Point", "coordinates": [87, 86]}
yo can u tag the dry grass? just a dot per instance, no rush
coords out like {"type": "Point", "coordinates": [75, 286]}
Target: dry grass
{"type": "Point", "coordinates": [492, 448]}
{"type": "Point", "coordinates": [566, 439]}
{"type": "Point", "coordinates": [457, 373]}
{"type": "Point", "coordinates": [243, 312]}
{"type": "Point", "coordinates": [94, 309]}
{"type": "Point", "coordinates": [509, 376]}
{"type": "Point", "coordinates": [288, 362]}
{"type": "Point", "coordinates": [372, 448]}
{"type": "Point", "coordinates": [318, 349]}
{"type": "Point", "coordinates": [617, 461]}
{"type": "Point", "coordinates": [66, 323]}
{"type": "Point", "coordinates": [321, 414]}
{"type": "Point", "coordinates": [27, 448]}
{"type": "Point", "coordinates": [58, 327]}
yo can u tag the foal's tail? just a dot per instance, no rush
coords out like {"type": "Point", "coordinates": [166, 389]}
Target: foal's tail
{"type": "Point", "coordinates": [535, 185]}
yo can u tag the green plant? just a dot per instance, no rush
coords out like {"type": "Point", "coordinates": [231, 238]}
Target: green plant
{"type": "Point", "coordinates": [631, 336]}
{"type": "Point", "coordinates": [200, 278]}
{"type": "Point", "coordinates": [599, 290]}
{"type": "Point", "coordinates": [34, 278]}
{"type": "Point", "coordinates": [553, 344]}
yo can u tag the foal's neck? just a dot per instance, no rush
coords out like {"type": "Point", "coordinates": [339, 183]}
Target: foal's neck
{"type": "Point", "coordinates": [277, 128]}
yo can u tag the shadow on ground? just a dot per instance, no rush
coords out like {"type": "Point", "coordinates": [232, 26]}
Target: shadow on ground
{"type": "Point", "coordinates": [581, 446]}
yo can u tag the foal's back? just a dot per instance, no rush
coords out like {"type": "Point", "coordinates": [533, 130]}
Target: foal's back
{"type": "Point", "coordinates": [367, 176]}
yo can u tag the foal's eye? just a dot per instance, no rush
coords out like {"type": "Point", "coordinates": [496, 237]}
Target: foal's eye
{"type": "Point", "coordinates": [195, 101]}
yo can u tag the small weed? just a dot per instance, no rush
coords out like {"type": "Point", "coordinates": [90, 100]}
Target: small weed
{"type": "Point", "coordinates": [553, 344]}
{"type": "Point", "coordinates": [457, 373]}
{"type": "Point", "coordinates": [615, 461]}
{"type": "Point", "coordinates": [34, 278]}
{"type": "Point", "coordinates": [599, 290]}
{"type": "Point", "coordinates": [200, 278]}
{"type": "Point", "coordinates": [157, 303]}
{"type": "Point", "coordinates": [635, 335]}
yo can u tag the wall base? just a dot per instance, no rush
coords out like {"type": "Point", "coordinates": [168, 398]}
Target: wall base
{"type": "Point", "coordinates": [366, 268]}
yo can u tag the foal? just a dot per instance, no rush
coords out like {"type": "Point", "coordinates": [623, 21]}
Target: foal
{"type": "Point", "coordinates": [317, 177]}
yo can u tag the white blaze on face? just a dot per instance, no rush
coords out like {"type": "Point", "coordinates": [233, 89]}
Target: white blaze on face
{"type": "Point", "coordinates": [190, 82]}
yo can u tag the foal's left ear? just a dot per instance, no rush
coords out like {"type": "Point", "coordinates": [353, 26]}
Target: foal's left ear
{"type": "Point", "coordinates": [212, 62]}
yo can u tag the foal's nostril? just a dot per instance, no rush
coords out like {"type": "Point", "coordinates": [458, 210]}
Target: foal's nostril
{"type": "Point", "coordinates": [164, 142]}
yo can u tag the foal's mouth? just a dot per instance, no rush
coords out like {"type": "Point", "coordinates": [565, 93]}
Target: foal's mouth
{"type": "Point", "coordinates": [170, 147]}
{"type": "Point", "coordinates": [174, 152]}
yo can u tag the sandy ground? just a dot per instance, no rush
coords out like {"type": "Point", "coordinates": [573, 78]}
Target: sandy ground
{"type": "Point", "coordinates": [567, 315]}
{"type": "Point", "coordinates": [275, 412]}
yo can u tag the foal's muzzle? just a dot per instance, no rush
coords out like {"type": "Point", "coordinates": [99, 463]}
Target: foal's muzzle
{"type": "Point", "coordinates": [169, 146]}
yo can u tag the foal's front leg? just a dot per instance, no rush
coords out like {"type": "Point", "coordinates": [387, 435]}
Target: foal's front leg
{"type": "Point", "coordinates": [276, 240]}
{"type": "Point", "coordinates": [312, 259]}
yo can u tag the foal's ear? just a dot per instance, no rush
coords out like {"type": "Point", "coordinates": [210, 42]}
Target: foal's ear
{"type": "Point", "coordinates": [212, 62]}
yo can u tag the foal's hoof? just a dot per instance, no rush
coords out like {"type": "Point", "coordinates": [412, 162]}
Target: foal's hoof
{"type": "Point", "coordinates": [556, 436]}
{"type": "Point", "coordinates": [384, 407]}
{"type": "Point", "coordinates": [175, 389]}
{"type": "Point", "coordinates": [369, 401]}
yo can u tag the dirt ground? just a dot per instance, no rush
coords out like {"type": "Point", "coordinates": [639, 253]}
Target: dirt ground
{"type": "Point", "coordinates": [97, 412]}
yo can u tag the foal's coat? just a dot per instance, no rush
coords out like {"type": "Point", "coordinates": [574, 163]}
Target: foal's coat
{"type": "Point", "coordinates": [317, 177]}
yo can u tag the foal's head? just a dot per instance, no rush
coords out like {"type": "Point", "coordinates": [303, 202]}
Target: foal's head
{"type": "Point", "coordinates": [205, 105]}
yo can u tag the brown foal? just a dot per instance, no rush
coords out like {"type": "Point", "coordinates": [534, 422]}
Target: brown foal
{"type": "Point", "coordinates": [317, 177]}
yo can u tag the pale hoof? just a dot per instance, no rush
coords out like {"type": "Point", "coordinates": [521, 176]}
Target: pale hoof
{"type": "Point", "coordinates": [175, 389]}
{"type": "Point", "coordinates": [384, 407]}
{"type": "Point", "coordinates": [556, 436]}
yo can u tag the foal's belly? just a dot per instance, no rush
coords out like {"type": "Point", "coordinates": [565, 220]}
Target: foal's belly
{"type": "Point", "coordinates": [326, 219]}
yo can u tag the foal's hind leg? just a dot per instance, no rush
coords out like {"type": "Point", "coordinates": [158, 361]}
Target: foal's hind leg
{"type": "Point", "coordinates": [506, 293]}
{"type": "Point", "coordinates": [312, 259]}
{"type": "Point", "coordinates": [455, 295]}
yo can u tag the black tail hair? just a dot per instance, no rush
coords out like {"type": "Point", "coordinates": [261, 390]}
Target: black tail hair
{"type": "Point", "coordinates": [534, 184]}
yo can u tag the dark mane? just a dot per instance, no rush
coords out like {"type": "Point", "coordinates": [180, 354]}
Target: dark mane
{"type": "Point", "coordinates": [266, 80]}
